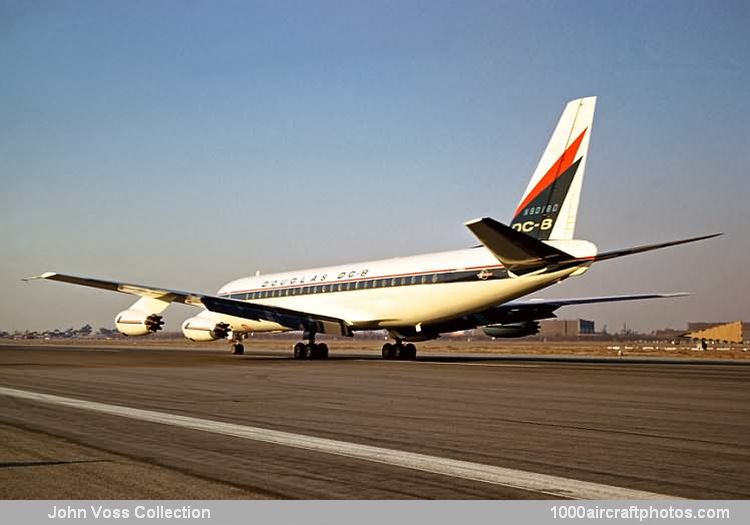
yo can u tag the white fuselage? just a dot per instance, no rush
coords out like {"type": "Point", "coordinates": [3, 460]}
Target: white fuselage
{"type": "Point", "coordinates": [390, 293]}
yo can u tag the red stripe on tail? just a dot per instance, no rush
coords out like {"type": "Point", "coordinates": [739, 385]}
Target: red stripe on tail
{"type": "Point", "coordinates": [557, 169]}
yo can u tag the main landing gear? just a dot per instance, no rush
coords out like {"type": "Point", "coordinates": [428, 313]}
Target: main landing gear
{"type": "Point", "coordinates": [399, 350]}
{"type": "Point", "coordinates": [310, 350]}
{"type": "Point", "coordinates": [237, 347]}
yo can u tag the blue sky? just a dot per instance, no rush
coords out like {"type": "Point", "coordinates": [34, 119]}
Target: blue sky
{"type": "Point", "coordinates": [188, 143]}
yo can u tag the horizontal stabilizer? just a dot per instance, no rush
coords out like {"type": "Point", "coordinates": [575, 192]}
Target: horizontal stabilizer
{"type": "Point", "coordinates": [648, 247]}
{"type": "Point", "coordinates": [523, 254]}
{"type": "Point", "coordinates": [518, 252]}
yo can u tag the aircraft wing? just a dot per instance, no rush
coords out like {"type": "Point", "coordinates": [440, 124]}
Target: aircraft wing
{"type": "Point", "coordinates": [292, 319]}
{"type": "Point", "coordinates": [557, 303]}
{"type": "Point", "coordinates": [533, 310]}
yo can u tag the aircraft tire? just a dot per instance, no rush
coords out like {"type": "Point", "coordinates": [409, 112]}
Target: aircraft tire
{"type": "Point", "coordinates": [300, 351]}
{"type": "Point", "coordinates": [238, 349]}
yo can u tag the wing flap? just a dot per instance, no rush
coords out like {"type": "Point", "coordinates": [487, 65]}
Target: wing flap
{"type": "Point", "coordinates": [292, 319]}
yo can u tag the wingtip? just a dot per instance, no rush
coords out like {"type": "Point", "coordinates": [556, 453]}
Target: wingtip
{"type": "Point", "coordinates": [45, 275]}
{"type": "Point", "coordinates": [472, 222]}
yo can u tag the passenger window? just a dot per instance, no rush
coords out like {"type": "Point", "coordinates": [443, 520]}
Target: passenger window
{"type": "Point", "coordinates": [434, 278]}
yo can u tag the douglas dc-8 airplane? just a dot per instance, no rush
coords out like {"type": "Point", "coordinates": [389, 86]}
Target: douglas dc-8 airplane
{"type": "Point", "coordinates": [420, 297]}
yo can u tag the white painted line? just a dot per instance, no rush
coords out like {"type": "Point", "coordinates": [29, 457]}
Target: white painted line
{"type": "Point", "coordinates": [500, 365]}
{"type": "Point", "coordinates": [506, 477]}
{"type": "Point", "coordinates": [64, 349]}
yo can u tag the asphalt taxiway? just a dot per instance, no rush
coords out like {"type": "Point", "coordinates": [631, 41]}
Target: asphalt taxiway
{"type": "Point", "coordinates": [118, 421]}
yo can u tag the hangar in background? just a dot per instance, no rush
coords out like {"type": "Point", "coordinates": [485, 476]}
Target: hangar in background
{"type": "Point", "coordinates": [724, 332]}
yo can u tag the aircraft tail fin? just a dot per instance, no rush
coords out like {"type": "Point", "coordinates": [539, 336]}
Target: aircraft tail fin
{"type": "Point", "coordinates": [549, 205]}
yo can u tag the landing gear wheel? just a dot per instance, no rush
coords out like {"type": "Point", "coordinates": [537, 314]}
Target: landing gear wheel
{"type": "Point", "coordinates": [320, 351]}
{"type": "Point", "coordinates": [389, 351]}
{"type": "Point", "coordinates": [409, 352]}
{"type": "Point", "coordinates": [300, 351]}
{"type": "Point", "coordinates": [238, 349]}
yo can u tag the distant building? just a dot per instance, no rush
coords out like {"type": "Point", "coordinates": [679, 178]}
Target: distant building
{"type": "Point", "coordinates": [564, 328]}
{"type": "Point", "coordinates": [702, 325]}
{"type": "Point", "coordinates": [668, 334]}
{"type": "Point", "coordinates": [725, 332]}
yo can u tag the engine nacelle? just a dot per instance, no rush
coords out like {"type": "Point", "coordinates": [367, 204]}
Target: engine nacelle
{"type": "Point", "coordinates": [202, 329]}
{"type": "Point", "coordinates": [512, 330]}
{"type": "Point", "coordinates": [135, 322]}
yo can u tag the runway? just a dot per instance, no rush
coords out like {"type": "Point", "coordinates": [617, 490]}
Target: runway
{"type": "Point", "coordinates": [264, 425]}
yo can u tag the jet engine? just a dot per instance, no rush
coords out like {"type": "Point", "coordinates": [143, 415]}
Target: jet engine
{"type": "Point", "coordinates": [512, 329]}
{"type": "Point", "coordinates": [136, 322]}
{"type": "Point", "coordinates": [202, 329]}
